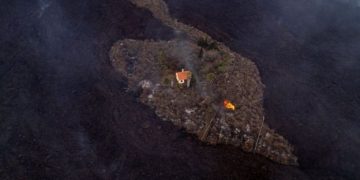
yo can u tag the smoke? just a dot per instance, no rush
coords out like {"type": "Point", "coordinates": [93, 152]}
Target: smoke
{"type": "Point", "coordinates": [44, 4]}
{"type": "Point", "coordinates": [41, 87]}
{"type": "Point", "coordinates": [308, 55]}
{"type": "Point", "coordinates": [53, 114]}
{"type": "Point", "coordinates": [185, 54]}
{"type": "Point", "coordinates": [326, 36]}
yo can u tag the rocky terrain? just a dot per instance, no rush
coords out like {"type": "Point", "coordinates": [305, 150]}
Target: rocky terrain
{"type": "Point", "coordinates": [151, 65]}
{"type": "Point", "coordinates": [65, 113]}
{"type": "Point", "coordinates": [218, 74]}
{"type": "Point", "coordinates": [308, 55]}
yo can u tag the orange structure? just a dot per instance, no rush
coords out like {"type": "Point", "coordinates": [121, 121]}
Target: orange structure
{"type": "Point", "coordinates": [183, 76]}
{"type": "Point", "coordinates": [229, 105]}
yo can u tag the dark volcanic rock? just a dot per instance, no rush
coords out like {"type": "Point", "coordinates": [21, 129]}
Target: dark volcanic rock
{"type": "Point", "coordinates": [64, 113]}
{"type": "Point", "coordinates": [308, 55]}
{"type": "Point", "coordinates": [199, 108]}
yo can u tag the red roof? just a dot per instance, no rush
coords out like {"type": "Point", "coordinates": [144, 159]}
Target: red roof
{"type": "Point", "coordinates": [184, 75]}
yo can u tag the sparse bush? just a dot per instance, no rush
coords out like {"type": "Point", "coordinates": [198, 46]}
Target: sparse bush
{"type": "Point", "coordinates": [207, 44]}
{"type": "Point", "coordinates": [210, 59]}
{"type": "Point", "coordinates": [211, 56]}
{"type": "Point", "coordinates": [167, 63]}
{"type": "Point", "coordinates": [210, 77]}
{"type": "Point", "coordinates": [221, 67]}
{"type": "Point", "coordinates": [166, 81]}
{"type": "Point", "coordinates": [225, 56]}
{"type": "Point", "coordinates": [162, 60]}
{"type": "Point", "coordinates": [201, 53]}
{"type": "Point", "coordinates": [193, 81]}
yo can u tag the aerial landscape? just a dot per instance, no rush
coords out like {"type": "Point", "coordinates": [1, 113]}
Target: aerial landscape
{"type": "Point", "coordinates": [180, 89]}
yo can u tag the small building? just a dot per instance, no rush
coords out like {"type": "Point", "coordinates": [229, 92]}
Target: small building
{"type": "Point", "coordinates": [183, 76]}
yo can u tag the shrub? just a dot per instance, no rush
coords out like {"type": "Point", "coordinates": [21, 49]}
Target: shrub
{"type": "Point", "coordinates": [166, 81]}
{"type": "Point", "coordinates": [166, 63]}
{"type": "Point", "coordinates": [207, 44]}
{"type": "Point", "coordinates": [201, 53]}
{"type": "Point", "coordinates": [221, 68]}
{"type": "Point", "coordinates": [210, 77]}
{"type": "Point", "coordinates": [162, 60]}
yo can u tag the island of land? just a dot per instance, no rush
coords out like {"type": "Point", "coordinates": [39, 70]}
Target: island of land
{"type": "Point", "coordinates": [200, 85]}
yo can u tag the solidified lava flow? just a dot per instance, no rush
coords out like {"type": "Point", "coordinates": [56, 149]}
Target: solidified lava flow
{"type": "Point", "coordinates": [66, 113]}
{"type": "Point", "coordinates": [307, 54]}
